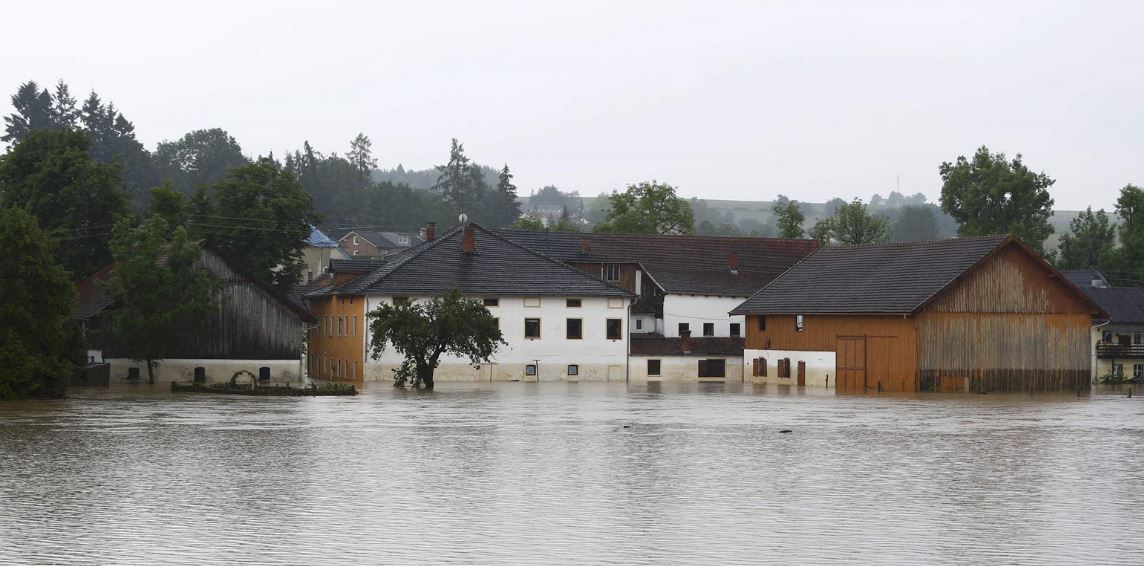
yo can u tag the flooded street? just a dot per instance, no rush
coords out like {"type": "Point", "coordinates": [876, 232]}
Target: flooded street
{"type": "Point", "coordinates": [562, 473]}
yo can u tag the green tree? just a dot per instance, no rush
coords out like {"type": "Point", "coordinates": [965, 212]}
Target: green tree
{"type": "Point", "coordinates": [201, 157]}
{"type": "Point", "coordinates": [992, 195]}
{"type": "Point", "coordinates": [460, 181]}
{"type": "Point", "coordinates": [51, 174]}
{"type": "Point", "coordinates": [1089, 242]}
{"type": "Point", "coordinates": [113, 140]}
{"type": "Point", "coordinates": [789, 218]}
{"type": "Point", "coordinates": [915, 223]}
{"type": "Point", "coordinates": [426, 330]}
{"type": "Point", "coordinates": [504, 209]}
{"type": "Point", "coordinates": [1128, 260]}
{"type": "Point", "coordinates": [169, 204]}
{"type": "Point", "coordinates": [34, 111]}
{"type": "Point", "coordinates": [263, 218]}
{"type": "Point", "coordinates": [361, 155]}
{"type": "Point", "coordinates": [852, 225]}
{"type": "Point", "coordinates": [158, 289]}
{"type": "Point", "coordinates": [647, 208]}
{"type": "Point", "coordinates": [529, 222]}
{"type": "Point", "coordinates": [38, 340]}
{"type": "Point", "coordinates": [565, 223]}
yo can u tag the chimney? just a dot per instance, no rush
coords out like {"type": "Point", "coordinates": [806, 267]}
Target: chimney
{"type": "Point", "coordinates": [733, 263]}
{"type": "Point", "coordinates": [585, 247]}
{"type": "Point", "coordinates": [430, 231]}
{"type": "Point", "coordinates": [685, 341]}
{"type": "Point", "coordinates": [469, 240]}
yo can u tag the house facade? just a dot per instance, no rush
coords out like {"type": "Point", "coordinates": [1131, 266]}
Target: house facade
{"type": "Point", "coordinates": [374, 243]}
{"type": "Point", "coordinates": [319, 251]}
{"type": "Point", "coordinates": [254, 328]}
{"type": "Point", "coordinates": [976, 314]}
{"type": "Point", "coordinates": [1118, 340]}
{"type": "Point", "coordinates": [558, 322]}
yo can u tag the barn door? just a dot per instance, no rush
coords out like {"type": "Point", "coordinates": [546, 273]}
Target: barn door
{"type": "Point", "coordinates": [880, 365]}
{"type": "Point", "coordinates": [851, 363]}
{"type": "Point", "coordinates": [801, 374]}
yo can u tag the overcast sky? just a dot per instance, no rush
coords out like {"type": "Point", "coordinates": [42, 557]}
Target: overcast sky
{"type": "Point", "coordinates": [723, 99]}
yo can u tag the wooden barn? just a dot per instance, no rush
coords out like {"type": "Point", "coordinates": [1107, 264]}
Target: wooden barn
{"type": "Point", "coordinates": [974, 314]}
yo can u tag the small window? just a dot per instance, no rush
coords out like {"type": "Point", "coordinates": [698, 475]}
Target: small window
{"type": "Point", "coordinates": [611, 272]}
{"type": "Point", "coordinates": [1138, 371]}
{"type": "Point", "coordinates": [653, 367]}
{"type": "Point", "coordinates": [532, 328]}
{"type": "Point", "coordinates": [573, 303]}
{"type": "Point", "coordinates": [713, 368]}
{"type": "Point", "coordinates": [1107, 337]}
{"type": "Point", "coordinates": [734, 329]}
{"type": "Point", "coordinates": [1138, 339]}
{"type": "Point", "coordinates": [355, 241]}
{"type": "Point", "coordinates": [1118, 371]}
{"type": "Point", "coordinates": [341, 326]}
{"type": "Point", "coordinates": [492, 302]}
{"type": "Point", "coordinates": [684, 327]}
{"type": "Point", "coordinates": [798, 325]}
{"type": "Point", "coordinates": [639, 324]}
{"type": "Point", "coordinates": [355, 325]}
{"type": "Point", "coordinates": [615, 328]}
{"type": "Point", "coordinates": [615, 303]}
{"type": "Point", "coordinates": [530, 369]}
{"type": "Point", "coordinates": [708, 328]}
{"type": "Point", "coordinates": [575, 328]}
{"type": "Point", "coordinates": [532, 301]}
{"type": "Point", "coordinates": [762, 322]}
{"type": "Point", "coordinates": [573, 369]}
{"type": "Point", "coordinates": [354, 376]}
{"type": "Point", "coordinates": [401, 301]}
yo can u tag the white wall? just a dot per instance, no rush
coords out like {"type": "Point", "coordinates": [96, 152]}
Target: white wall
{"type": "Point", "coordinates": [698, 309]}
{"type": "Point", "coordinates": [598, 358]}
{"type": "Point", "coordinates": [682, 368]}
{"type": "Point", "coordinates": [647, 324]}
{"type": "Point", "coordinates": [217, 370]}
{"type": "Point", "coordinates": [820, 367]}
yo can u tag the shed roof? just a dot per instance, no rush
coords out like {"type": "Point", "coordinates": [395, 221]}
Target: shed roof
{"type": "Point", "coordinates": [499, 267]}
{"type": "Point", "coordinates": [1124, 305]}
{"type": "Point", "coordinates": [678, 264]}
{"type": "Point", "coordinates": [895, 278]}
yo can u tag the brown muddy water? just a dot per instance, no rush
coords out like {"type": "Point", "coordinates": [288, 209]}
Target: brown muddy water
{"type": "Point", "coordinates": [572, 473]}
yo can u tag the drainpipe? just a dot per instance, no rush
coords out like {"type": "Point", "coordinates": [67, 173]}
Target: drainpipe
{"type": "Point", "coordinates": [628, 340]}
{"type": "Point", "coordinates": [1092, 368]}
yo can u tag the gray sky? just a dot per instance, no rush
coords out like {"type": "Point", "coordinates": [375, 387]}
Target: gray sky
{"type": "Point", "coordinates": [741, 100]}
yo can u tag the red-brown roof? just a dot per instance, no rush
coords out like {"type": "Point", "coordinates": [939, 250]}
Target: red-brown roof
{"type": "Point", "coordinates": [658, 345]}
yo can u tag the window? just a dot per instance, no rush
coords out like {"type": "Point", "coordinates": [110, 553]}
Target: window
{"type": "Point", "coordinates": [734, 329]}
{"type": "Point", "coordinates": [355, 240]}
{"type": "Point", "coordinates": [762, 322]}
{"type": "Point", "coordinates": [1138, 371]}
{"type": "Point", "coordinates": [573, 303]}
{"type": "Point", "coordinates": [1118, 371]}
{"type": "Point", "coordinates": [784, 368]}
{"type": "Point", "coordinates": [329, 325]}
{"type": "Point", "coordinates": [492, 302]}
{"type": "Point", "coordinates": [615, 328]}
{"type": "Point", "coordinates": [639, 324]}
{"type": "Point", "coordinates": [1138, 339]}
{"type": "Point", "coordinates": [712, 368]}
{"type": "Point", "coordinates": [355, 327]}
{"type": "Point", "coordinates": [532, 328]}
{"type": "Point", "coordinates": [684, 327]}
{"type": "Point", "coordinates": [573, 369]}
{"type": "Point", "coordinates": [653, 367]}
{"type": "Point", "coordinates": [575, 328]}
{"type": "Point", "coordinates": [615, 303]}
{"type": "Point", "coordinates": [708, 328]}
{"type": "Point", "coordinates": [309, 276]}
{"type": "Point", "coordinates": [798, 322]}
{"type": "Point", "coordinates": [401, 301]}
{"type": "Point", "coordinates": [532, 301]}
{"type": "Point", "coordinates": [354, 376]}
{"type": "Point", "coordinates": [341, 326]}
{"type": "Point", "coordinates": [530, 369]}
{"type": "Point", "coordinates": [1107, 337]}
{"type": "Point", "coordinates": [611, 272]}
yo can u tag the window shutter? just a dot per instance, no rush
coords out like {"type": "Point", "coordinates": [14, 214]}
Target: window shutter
{"type": "Point", "coordinates": [755, 367]}
{"type": "Point", "coordinates": [763, 366]}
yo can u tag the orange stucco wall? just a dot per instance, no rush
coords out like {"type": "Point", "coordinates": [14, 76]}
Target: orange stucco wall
{"type": "Point", "coordinates": [337, 343]}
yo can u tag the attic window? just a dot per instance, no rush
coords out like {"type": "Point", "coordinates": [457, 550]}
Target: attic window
{"type": "Point", "coordinates": [573, 303]}
{"type": "Point", "coordinates": [492, 302]}
{"type": "Point", "coordinates": [611, 272]}
{"type": "Point", "coordinates": [355, 240]}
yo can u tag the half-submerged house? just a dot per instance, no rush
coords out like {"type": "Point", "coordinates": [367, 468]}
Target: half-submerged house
{"type": "Point", "coordinates": [559, 322]}
{"type": "Point", "coordinates": [974, 314]}
{"type": "Point", "coordinates": [253, 328]}
{"type": "Point", "coordinates": [1118, 341]}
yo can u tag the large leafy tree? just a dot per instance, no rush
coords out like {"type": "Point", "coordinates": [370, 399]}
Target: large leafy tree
{"type": "Point", "coordinates": [38, 340]}
{"type": "Point", "coordinates": [201, 157]}
{"type": "Point", "coordinates": [990, 194]}
{"type": "Point", "coordinates": [915, 223]}
{"type": "Point", "coordinates": [789, 218]}
{"type": "Point", "coordinates": [1089, 242]}
{"type": "Point", "coordinates": [426, 330]}
{"type": "Point", "coordinates": [260, 213]}
{"type": "Point", "coordinates": [51, 174]}
{"type": "Point", "coordinates": [852, 224]}
{"type": "Point", "coordinates": [158, 289]}
{"type": "Point", "coordinates": [1128, 260]}
{"type": "Point", "coordinates": [647, 208]}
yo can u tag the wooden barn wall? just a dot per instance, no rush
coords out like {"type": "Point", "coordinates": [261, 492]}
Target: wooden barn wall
{"type": "Point", "coordinates": [246, 323]}
{"type": "Point", "coordinates": [596, 269]}
{"type": "Point", "coordinates": [1009, 282]}
{"type": "Point", "coordinates": [1003, 351]}
{"type": "Point", "coordinates": [890, 343]}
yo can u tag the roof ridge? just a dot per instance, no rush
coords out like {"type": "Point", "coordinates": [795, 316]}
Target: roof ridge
{"type": "Point", "coordinates": [398, 260]}
{"type": "Point", "coordinates": [659, 236]}
{"type": "Point", "coordinates": [906, 243]}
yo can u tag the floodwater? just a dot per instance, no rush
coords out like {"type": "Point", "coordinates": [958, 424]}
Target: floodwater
{"type": "Point", "coordinates": [572, 473]}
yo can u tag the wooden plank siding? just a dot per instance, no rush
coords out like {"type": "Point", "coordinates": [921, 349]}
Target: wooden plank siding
{"type": "Point", "coordinates": [628, 271]}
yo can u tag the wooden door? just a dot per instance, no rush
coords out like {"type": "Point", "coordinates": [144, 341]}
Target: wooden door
{"type": "Point", "coordinates": [851, 363]}
{"type": "Point", "coordinates": [880, 365]}
{"type": "Point", "coordinates": [802, 374]}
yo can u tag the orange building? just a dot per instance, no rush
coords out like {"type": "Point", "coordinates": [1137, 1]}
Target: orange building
{"type": "Point", "coordinates": [337, 342]}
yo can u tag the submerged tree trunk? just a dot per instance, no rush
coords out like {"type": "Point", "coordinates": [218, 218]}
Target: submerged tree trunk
{"type": "Point", "coordinates": [150, 371]}
{"type": "Point", "coordinates": [425, 375]}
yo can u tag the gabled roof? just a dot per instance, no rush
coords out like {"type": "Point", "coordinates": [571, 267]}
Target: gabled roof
{"type": "Point", "coordinates": [364, 265]}
{"type": "Point", "coordinates": [387, 240]}
{"type": "Point", "coordinates": [319, 240]}
{"type": "Point", "coordinates": [1124, 305]}
{"type": "Point", "coordinates": [893, 278]}
{"type": "Point", "coordinates": [696, 265]}
{"type": "Point", "coordinates": [499, 267]}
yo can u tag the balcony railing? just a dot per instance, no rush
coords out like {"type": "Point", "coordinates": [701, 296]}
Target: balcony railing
{"type": "Point", "coordinates": [1120, 351]}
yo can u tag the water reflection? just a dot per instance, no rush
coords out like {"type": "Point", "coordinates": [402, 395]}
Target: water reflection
{"type": "Point", "coordinates": [588, 473]}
